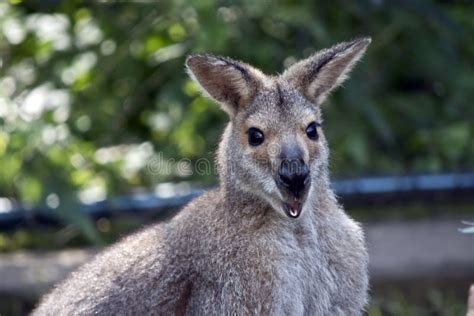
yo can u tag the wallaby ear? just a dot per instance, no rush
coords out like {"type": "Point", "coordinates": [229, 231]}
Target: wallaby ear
{"type": "Point", "coordinates": [233, 84]}
{"type": "Point", "coordinates": [321, 73]}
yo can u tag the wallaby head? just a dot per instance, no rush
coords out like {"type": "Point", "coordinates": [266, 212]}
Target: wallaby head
{"type": "Point", "coordinates": [274, 146]}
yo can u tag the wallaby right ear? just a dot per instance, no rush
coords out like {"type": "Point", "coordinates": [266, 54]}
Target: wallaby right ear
{"type": "Point", "coordinates": [233, 84]}
{"type": "Point", "coordinates": [321, 73]}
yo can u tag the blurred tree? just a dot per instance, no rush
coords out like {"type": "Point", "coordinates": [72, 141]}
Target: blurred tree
{"type": "Point", "coordinates": [94, 98]}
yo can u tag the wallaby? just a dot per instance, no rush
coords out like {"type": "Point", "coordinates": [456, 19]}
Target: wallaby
{"type": "Point", "coordinates": [271, 239]}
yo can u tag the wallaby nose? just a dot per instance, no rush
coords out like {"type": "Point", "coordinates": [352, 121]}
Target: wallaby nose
{"type": "Point", "coordinates": [294, 176]}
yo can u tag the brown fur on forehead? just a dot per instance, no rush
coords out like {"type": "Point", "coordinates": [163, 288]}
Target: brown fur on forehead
{"type": "Point", "coordinates": [282, 113]}
{"type": "Point", "coordinates": [278, 106]}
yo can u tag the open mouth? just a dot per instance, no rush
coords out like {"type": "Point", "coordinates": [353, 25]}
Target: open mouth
{"type": "Point", "coordinates": [293, 209]}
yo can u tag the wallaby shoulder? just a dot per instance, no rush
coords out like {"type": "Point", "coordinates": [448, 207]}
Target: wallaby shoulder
{"type": "Point", "coordinates": [147, 270]}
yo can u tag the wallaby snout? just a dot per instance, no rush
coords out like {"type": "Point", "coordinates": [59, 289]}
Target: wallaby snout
{"type": "Point", "coordinates": [294, 180]}
{"type": "Point", "coordinates": [293, 176]}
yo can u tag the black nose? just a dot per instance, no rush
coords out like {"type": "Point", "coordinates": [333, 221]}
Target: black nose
{"type": "Point", "coordinates": [294, 176]}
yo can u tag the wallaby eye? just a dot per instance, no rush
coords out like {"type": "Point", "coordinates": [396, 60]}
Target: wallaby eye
{"type": "Point", "coordinates": [255, 136]}
{"type": "Point", "coordinates": [312, 131]}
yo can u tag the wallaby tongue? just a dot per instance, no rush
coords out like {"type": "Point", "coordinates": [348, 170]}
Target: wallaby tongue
{"type": "Point", "coordinates": [293, 209]}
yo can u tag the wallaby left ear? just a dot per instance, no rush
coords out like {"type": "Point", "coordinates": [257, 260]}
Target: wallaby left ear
{"type": "Point", "coordinates": [232, 83]}
{"type": "Point", "coordinates": [321, 73]}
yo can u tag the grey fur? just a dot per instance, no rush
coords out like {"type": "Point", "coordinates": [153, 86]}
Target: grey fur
{"type": "Point", "coordinates": [233, 251]}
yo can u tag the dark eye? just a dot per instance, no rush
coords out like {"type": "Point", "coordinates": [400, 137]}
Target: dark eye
{"type": "Point", "coordinates": [255, 136]}
{"type": "Point", "coordinates": [312, 131]}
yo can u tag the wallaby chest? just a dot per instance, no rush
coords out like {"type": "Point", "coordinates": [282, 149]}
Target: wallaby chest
{"type": "Point", "coordinates": [277, 272]}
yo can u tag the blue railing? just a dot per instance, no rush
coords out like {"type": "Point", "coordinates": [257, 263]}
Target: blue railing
{"type": "Point", "coordinates": [358, 191]}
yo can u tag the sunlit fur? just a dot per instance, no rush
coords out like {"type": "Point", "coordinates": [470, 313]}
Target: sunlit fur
{"type": "Point", "coordinates": [233, 251]}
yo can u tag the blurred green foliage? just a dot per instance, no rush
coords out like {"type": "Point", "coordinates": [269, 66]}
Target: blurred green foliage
{"type": "Point", "coordinates": [92, 91]}
{"type": "Point", "coordinates": [93, 94]}
{"type": "Point", "coordinates": [394, 300]}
